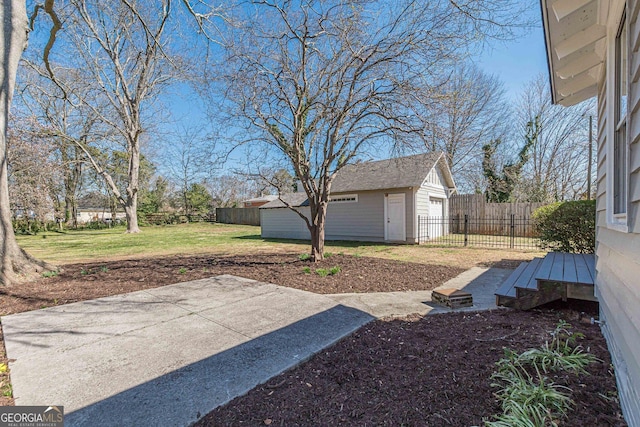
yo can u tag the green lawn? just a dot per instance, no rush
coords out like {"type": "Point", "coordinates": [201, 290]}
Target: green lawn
{"type": "Point", "coordinates": [223, 239]}
{"type": "Point", "coordinates": [184, 239]}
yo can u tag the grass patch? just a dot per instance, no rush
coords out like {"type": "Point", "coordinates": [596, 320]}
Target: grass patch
{"type": "Point", "coordinates": [48, 274]}
{"type": "Point", "coordinates": [228, 239]}
{"type": "Point", "coordinates": [324, 272]}
{"type": "Point", "coordinates": [304, 257]}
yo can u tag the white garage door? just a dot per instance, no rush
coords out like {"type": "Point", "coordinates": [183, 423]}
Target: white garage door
{"type": "Point", "coordinates": [436, 217]}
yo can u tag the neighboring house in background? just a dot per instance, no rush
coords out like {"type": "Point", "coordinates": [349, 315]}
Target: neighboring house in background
{"type": "Point", "coordinates": [91, 214]}
{"type": "Point", "coordinates": [593, 49]}
{"type": "Point", "coordinates": [258, 201]}
{"type": "Point", "coordinates": [372, 201]}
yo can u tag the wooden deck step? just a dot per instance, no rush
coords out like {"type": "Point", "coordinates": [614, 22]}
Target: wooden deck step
{"type": "Point", "coordinates": [544, 271]}
{"type": "Point", "coordinates": [590, 261]}
{"type": "Point", "coordinates": [527, 279]}
{"type": "Point", "coordinates": [508, 288]}
{"type": "Point", "coordinates": [556, 276]}
{"type": "Point", "coordinates": [567, 268]}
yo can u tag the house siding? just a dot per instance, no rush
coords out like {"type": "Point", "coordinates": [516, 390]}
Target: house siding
{"type": "Point", "coordinates": [363, 220]}
{"type": "Point", "coordinates": [360, 221]}
{"type": "Point", "coordinates": [618, 252]}
{"type": "Point", "coordinates": [431, 188]}
{"type": "Point", "coordinates": [283, 223]}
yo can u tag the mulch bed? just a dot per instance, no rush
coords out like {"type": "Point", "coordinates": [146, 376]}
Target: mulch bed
{"type": "Point", "coordinates": [80, 282]}
{"type": "Point", "coordinates": [422, 371]}
{"type": "Point", "coordinates": [414, 371]}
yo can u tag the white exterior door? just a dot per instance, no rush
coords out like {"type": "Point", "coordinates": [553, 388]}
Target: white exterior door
{"type": "Point", "coordinates": [436, 224]}
{"type": "Point", "coordinates": [395, 218]}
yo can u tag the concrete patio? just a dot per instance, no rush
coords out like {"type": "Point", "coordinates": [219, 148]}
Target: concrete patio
{"type": "Point", "coordinates": [169, 355]}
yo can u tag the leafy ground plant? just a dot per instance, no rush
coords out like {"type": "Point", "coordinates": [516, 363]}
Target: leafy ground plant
{"type": "Point", "coordinates": [304, 257]}
{"type": "Point", "coordinates": [528, 398]}
{"type": "Point", "coordinates": [324, 272]}
{"type": "Point", "coordinates": [48, 274]}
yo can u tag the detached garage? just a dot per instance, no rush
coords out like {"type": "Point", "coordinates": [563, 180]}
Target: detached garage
{"type": "Point", "coordinates": [373, 201]}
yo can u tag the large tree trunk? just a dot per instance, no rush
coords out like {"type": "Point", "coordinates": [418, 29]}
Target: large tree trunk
{"type": "Point", "coordinates": [317, 233]}
{"type": "Point", "coordinates": [72, 174]}
{"type": "Point", "coordinates": [131, 206]}
{"type": "Point", "coordinates": [131, 211]}
{"type": "Point", "coordinates": [15, 264]}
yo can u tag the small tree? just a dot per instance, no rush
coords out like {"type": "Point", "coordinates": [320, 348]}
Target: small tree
{"type": "Point", "coordinates": [198, 200]}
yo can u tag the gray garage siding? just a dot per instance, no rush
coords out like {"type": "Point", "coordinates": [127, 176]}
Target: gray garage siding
{"type": "Point", "coordinates": [360, 221]}
{"type": "Point", "coordinates": [283, 223]}
{"type": "Point", "coordinates": [363, 220]}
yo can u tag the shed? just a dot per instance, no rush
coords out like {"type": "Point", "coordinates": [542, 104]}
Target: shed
{"type": "Point", "coordinates": [377, 201]}
{"type": "Point", "coordinates": [593, 49]}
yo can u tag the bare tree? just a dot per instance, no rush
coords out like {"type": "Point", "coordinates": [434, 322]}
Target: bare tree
{"type": "Point", "coordinates": [228, 191]}
{"type": "Point", "coordinates": [467, 111]}
{"type": "Point", "coordinates": [556, 170]}
{"type": "Point", "coordinates": [117, 52]}
{"type": "Point", "coordinates": [34, 174]}
{"type": "Point", "coordinates": [189, 157]}
{"type": "Point", "coordinates": [323, 81]}
{"type": "Point", "coordinates": [14, 262]}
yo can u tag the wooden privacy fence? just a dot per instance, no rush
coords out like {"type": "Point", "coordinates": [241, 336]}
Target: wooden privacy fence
{"type": "Point", "coordinates": [246, 216]}
{"type": "Point", "coordinates": [475, 206]}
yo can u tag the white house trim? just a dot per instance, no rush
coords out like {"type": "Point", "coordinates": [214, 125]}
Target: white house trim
{"type": "Point", "coordinates": [616, 222]}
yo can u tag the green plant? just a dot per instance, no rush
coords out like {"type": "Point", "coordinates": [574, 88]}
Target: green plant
{"type": "Point", "coordinates": [182, 270]}
{"type": "Point", "coordinates": [304, 257]}
{"type": "Point", "coordinates": [306, 270]}
{"type": "Point", "coordinates": [567, 226]}
{"type": "Point", "coordinates": [328, 254]}
{"type": "Point", "coordinates": [104, 268]}
{"type": "Point", "coordinates": [322, 272]}
{"type": "Point", "coordinates": [48, 274]}
{"type": "Point", "coordinates": [7, 390]}
{"type": "Point", "coordinates": [528, 398]}
{"type": "Point", "coordinates": [84, 272]}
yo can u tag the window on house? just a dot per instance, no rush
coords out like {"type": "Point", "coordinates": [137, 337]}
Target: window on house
{"type": "Point", "coordinates": [345, 198]}
{"type": "Point", "coordinates": [620, 137]}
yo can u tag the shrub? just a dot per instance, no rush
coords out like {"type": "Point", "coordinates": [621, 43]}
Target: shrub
{"type": "Point", "coordinates": [567, 226]}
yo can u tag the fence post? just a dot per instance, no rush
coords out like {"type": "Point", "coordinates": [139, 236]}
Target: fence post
{"type": "Point", "coordinates": [466, 229]}
{"type": "Point", "coordinates": [419, 235]}
{"type": "Point", "coordinates": [513, 231]}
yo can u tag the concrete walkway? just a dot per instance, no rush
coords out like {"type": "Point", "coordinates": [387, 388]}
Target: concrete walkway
{"type": "Point", "coordinates": [480, 282]}
{"type": "Point", "coordinates": [167, 356]}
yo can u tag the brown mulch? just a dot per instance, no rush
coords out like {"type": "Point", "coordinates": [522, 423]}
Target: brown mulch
{"type": "Point", "coordinates": [85, 281]}
{"type": "Point", "coordinates": [422, 371]}
{"type": "Point", "coordinates": [79, 282]}
{"type": "Point", "coordinates": [417, 371]}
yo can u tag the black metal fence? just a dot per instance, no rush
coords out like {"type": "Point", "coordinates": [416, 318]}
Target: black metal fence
{"type": "Point", "coordinates": [462, 230]}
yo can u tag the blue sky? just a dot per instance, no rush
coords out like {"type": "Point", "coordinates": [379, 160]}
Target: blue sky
{"type": "Point", "coordinates": [516, 62]}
